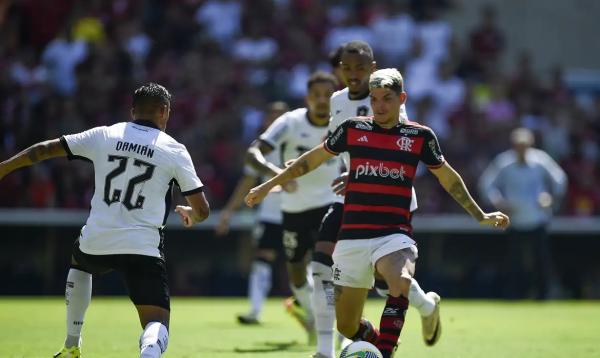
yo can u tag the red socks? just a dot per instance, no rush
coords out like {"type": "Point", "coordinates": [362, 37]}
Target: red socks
{"type": "Point", "coordinates": [391, 324]}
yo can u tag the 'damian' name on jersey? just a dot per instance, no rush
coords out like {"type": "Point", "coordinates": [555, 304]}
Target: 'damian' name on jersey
{"type": "Point", "coordinates": [135, 148]}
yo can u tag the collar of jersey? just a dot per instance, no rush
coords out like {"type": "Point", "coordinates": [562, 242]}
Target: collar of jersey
{"type": "Point", "coordinates": [145, 123]}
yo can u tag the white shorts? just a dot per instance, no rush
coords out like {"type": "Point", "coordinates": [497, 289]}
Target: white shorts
{"type": "Point", "coordinates": [354, 260]}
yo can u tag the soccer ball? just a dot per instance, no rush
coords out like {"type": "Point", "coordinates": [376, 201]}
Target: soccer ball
{"type": "Point", "coordinates": [361, 349]}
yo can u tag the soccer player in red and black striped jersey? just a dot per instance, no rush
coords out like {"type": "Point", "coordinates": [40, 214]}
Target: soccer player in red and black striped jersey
{"type": "Point", "coordinates": [376, 233]}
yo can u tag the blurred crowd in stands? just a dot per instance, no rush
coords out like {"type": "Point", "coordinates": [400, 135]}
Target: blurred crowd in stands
{"type": "Point", "coordinates": [68, 65]}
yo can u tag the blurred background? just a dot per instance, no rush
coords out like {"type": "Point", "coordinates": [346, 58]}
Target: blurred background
{"type": "Point", "coordinates": [474, 71]}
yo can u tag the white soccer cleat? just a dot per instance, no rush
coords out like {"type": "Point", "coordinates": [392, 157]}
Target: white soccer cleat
{"type": "Point", "coordinates": [431, 325]}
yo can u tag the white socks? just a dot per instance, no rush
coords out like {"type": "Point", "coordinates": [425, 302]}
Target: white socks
{"type": "Point", "coordinates": [154, 340]}
{"type": "Point", "coordinates": [302, 294]}
{"type": "Point", "coordinates": [259, 285]}
{"type": "Point", "coordinates": [419, 300]}
{"type": "Point", "coordinates": [324, 307]}
{"type": "Point", "coordinates": [78, 295]}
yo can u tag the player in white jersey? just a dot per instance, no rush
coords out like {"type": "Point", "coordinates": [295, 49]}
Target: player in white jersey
{"type": "Point", "coordinates": [357, 64]}
{"type": "Point", "coordinates": [135, 166]}
{"type": "Point", "coordinates": [307, 201]}
{"type": "Point", "coordinates": [267, 232]}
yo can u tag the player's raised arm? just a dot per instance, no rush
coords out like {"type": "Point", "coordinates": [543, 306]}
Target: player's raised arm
{"type": "Point", "coordinates": [255, 157]}
{"type": "Point", "coordinates": [34, 154]}
{"type": "Point", "coordinates": [304, 164]}
{"type": "Point", "coordinates": [455, 186]}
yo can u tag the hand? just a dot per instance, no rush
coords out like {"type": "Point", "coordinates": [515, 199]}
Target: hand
{"type": "Point", "coordinates": [256, 195]}
{"type": "Point", "coordinates": [222, 227]}
{"type": "Point", "coordinates": [186, 215]}
{"type": "Point", "coordinates": [545, 200]}
{"type": "Point", "coordinates": [339, 184]}
{"type": "Point", "coordinates": [290, 186]}
{"type": "Point", "coordinates": [495, 219]}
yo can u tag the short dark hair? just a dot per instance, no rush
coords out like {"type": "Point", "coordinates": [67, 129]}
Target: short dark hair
{"type": "Point", "coordinates": [150, 96]}
{"type": "Point", "coordinates": [321, 76]}
{"type": "Point", "coordinates": [335, 56]}
{"type": "Point", "coordinates": [359, 47]}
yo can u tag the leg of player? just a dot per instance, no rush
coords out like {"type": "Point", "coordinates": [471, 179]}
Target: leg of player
{"type": "Point", "coordinates": [259, 284]}
{"type": "Point", "coordinates": [426, 303]}
{"type": "Point", "coordinates": [323, 298]}
{"type": "Point", "coordinates": [349, 303]}
{"type": "Point", "coordinates": [155, 338]}
{"type": "Point", "coordinates": [302, 290]}
{"type": "Point", "coordinates": [397, 268]}
{"type": "Point", "coordinates": [78, 295]}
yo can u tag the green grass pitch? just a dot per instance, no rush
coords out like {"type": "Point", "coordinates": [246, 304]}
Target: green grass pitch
{"type": "Point", "coordinates": [34, 327]}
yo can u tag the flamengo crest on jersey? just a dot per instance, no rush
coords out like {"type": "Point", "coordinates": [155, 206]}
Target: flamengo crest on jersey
{"type": "Point", "coordinates": [295, 134]}
{"type": "Point", "coordinates": [135, 166]}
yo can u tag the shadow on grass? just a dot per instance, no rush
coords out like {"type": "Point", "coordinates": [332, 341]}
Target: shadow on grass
{"type": "Point", "coordinates": [271, 347]}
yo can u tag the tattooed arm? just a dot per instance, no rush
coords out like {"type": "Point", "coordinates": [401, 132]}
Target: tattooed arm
{"type": "Point", "coordinates": [454, 185]}
{"type": "Point", "coordinates": [34, 154]}
{"type": "Point", "coordinates": [304, 164]}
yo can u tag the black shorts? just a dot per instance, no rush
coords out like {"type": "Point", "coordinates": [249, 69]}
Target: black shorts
{"type": "Point", "coordinates": [145, 276]}
{"type": "Point", "coordinates": [332, 221]}
{"type": "Point", "coordinates": [300, 231]}
{"type": "Point", "coordinates": [268, 236]}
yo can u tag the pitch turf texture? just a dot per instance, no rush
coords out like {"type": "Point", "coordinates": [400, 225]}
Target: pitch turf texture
{"type": "Point", "coordinates": [34, 327]}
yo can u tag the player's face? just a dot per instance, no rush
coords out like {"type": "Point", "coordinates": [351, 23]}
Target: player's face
{"type": "Point", "coordinates": [386, 105]}
{"type": "Point", "coordinates": [356, 69]}
{"type": "Point", "coordinates": [318, 97]}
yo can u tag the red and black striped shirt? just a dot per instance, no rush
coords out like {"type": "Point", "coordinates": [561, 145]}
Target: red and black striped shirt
{"type": "Point", "coordinates": [383, 163]}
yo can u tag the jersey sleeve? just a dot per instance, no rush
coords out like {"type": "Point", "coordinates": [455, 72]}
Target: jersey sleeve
{"type": "Point", "coordinates": [185, 174]}
{"type": "Point", "coordinates": [83, 145]}
{"type": "Point", "coordinates": [277, 132]}
{"type": "Point", "coordinates": [336, 142]}
{"type": "Point", "coordinates": [432, 153]}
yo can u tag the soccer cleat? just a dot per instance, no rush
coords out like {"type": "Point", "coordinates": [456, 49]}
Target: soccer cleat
{"type": "Point", "coordinates": [299, 314]}
{"type": "Point", "coordinates": [73, 352]}
{"type": "Point", "coordinates": [319, 355]}
{"type": "Point", "coordinates": [247, 319]}
{"type": "Point", "coordinates": [431, 325]}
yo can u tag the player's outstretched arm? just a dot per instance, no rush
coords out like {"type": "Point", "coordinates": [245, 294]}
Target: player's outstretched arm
{"type": "Point", "coordinates": [255, 157]}
{"type": "Point", "coordinates": [198, 210]}
{"type": "Point", "coordinates": [454, 185]}
{"type": "Point", "coordinates": [34, 154]}
{"type": "Point", "coordinates": [304, 164]}
{"type": "Point", "coordinates": [235, 201]}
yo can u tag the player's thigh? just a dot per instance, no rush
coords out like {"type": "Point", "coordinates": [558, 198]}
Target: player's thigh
{"type": "Point", "coordinates": [352, 264]}
{"type": "Point", "coordinates": [269, 242]}
{"type": "Point", "coordinates": [148, 286]}
{"type": "Point", "coordinates": [397, 268]}
{"type": "Point", "coordinates": [300, 232]}
{"type": "Point", "coordinates": [328, 231]}
{"type": "Point", "coordinates": [349, 304]}
{"type": "Point", "coordinates": [92, 264]}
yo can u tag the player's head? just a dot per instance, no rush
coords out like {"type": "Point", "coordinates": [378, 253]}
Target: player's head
{"type": "Point", "coordinates": [357, 63]}
{"type": "Point", "coordinates": [335, 58]}
{"type": "Point", "coordinates": [152, 102]}
{"type": "Point", "coordinates": [320, 87]}
{"type": "Point", "coordinates": [521, 139]}
{"type": "Point", "coordinates": [386, 88]}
